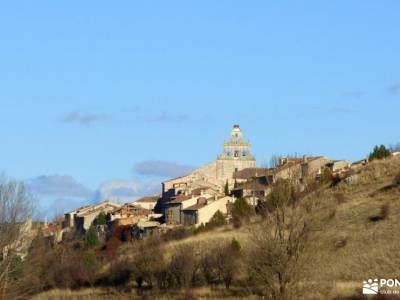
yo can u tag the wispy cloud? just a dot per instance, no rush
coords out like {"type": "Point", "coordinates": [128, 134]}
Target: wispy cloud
{"type": "Point", "coordinates": [394, 89]}
{"type": "Point", "coordinates": [161, 168]}
{"type": "Point", "coordinates": [84, 118]}
{"type": "Point", "coordinates": [58, 186]}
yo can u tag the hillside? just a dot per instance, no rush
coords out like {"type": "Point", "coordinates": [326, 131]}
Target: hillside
{"type": "Point", "coordinates": [353, 238]}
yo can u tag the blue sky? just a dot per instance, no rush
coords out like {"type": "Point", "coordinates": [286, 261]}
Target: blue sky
{"type": "Point", "coordinates": [93, 93]}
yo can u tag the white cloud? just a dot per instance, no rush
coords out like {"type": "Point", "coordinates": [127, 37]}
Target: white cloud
{"type": "Point", "coordinates": [59, 186]}
{"type": "Point", "coordinates": [123, 191]}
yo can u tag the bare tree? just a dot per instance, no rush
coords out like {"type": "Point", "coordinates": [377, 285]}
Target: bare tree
{"type": "Point", "coordinates": [15, 213]}
{"type": "Point", "coordinates": [278, 244]}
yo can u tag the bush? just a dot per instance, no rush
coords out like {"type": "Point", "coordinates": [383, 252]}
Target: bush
{"type": "Point", "coordinates": [91, 238]}
{"type": "Point", "coordinates": [241, 209]}
{"type": "Point", "coordinates": [149, 264]}
{"type": "Point", "coordinates": [178, 233]}
{"type": "Point", "coordinates": [379, 152]}
{"type": "Point", "coordinates": [101, 219]}
{"type": "Point", "coordinates": [183, 266]}
{"type": "Point", "coordinates": [217, 220]}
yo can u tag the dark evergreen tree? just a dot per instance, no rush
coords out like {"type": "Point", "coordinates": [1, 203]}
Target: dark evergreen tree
{"type": "Point", "coordinates": [379, 152]}
{"type": "Point", "coordinates": [91, 237]}
{"type": "Point", "coordinates": [226, 188]}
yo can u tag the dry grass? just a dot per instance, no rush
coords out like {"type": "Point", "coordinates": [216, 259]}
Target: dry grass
{"type": "Point", "coordinates": [83, 294]}
{"type": "Point", "coordinates": [344, 247]}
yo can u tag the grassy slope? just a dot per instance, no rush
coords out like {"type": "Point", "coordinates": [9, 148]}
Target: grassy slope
{"type": "Point", "coordinates": [371, 249]}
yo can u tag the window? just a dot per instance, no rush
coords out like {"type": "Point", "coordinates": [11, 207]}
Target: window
{"type": "Point", "coordinates": [244, 154]}
{"type": "Point", "coordinates": [236, 153]}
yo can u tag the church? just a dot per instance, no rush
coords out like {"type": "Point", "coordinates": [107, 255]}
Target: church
{"type": "Point", "coordinates": [235, 156]}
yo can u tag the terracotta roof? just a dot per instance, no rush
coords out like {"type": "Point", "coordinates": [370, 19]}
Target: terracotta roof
{"type": "Point", "coordinates": [180, 198]}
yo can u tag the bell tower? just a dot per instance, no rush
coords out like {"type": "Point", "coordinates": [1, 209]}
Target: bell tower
{"type": "Point", "coordinates": [235, 156]}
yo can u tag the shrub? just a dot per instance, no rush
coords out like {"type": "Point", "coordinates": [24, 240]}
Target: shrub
{"type": "Point", "coordinates": [149, 263]}
{"type": "Point", "coordinates": [183, 266]}
{"type": "Point", "coordinates": [101, 219]}
{"type": "Point", "coordinates": [227, 259]}
{"type": "Point", "coordinates": [241, 209]}
{"type": "Point", "coordinates": [217, 220]}
{"type": "Point", "coordinates": [220, 262]}
{"type": "Point", "coordinates": [178, 233]}
{"type": "Point", "coordinates": [91, 238]}
{"type": "Point", "coordinates": [379, 152]}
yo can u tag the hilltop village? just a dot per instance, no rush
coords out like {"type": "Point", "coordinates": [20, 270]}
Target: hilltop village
{"type": "Point", "coordinates": [192, 200]}
{"type": "Point", "coordinates": [206, 231]}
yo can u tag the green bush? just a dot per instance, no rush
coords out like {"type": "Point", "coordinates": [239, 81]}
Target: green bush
{"type": "Point", "coordinates": [379, 152]}
{"type": "Point", "coordinates": [90, 259]}
{"type": "Point", "coordinates": [101, 219]}
{"type": "Point", "coordinates": [91, 238]}
{"type": "Point", "coordinates": [241, 209]}
{"type": "Point", "coordinates": [217, 220]}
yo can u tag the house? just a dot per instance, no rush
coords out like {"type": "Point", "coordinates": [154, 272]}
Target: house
{"type": "Point", "coordinates": [338, 166]}
{"type": "Point", "coordinates": [359, 164]}
{"type": "Point", "coordinates": [311, 167]}
{"type": "Point", "coordinates": [253, 190]}
{"type": "Point", "coordinates": [83, 218]}
{"type": "Point", "coordinates": [173, 212]}
{"type": "Point", "coordinates": [204, 210]}
{"type": "Point", "coordinates": [145, 228]}
{"type": "Point", "coordinates": [148, 202]}
{"type": "Point", "coordinates": [128, 211]}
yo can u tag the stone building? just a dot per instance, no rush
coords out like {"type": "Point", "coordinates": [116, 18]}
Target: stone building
{"type": "Point", "coordinates": [82, 218]}
{"type": "Point", "coordinates": [148, 202]}
{"type": "Point", "coordinates": [204, 210]}
{"type": "Point", "coordinates": [235, 156]}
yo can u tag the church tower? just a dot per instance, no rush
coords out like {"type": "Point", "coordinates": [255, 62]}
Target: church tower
{"type": "Point", "coordinates": [235, 156]}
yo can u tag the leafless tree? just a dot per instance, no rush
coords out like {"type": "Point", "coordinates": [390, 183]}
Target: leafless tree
{"type": "Point", "coordinates": [278, 244]}
{"type": "Point", "coordinates": [15, 211]}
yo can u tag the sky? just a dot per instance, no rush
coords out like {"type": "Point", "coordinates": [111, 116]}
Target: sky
{"type": "Point", "coordinates": [101, 100]}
